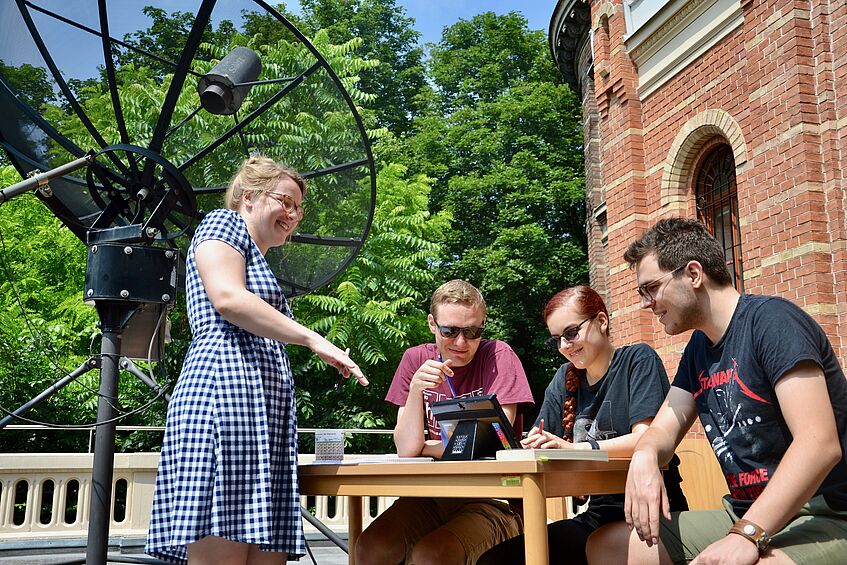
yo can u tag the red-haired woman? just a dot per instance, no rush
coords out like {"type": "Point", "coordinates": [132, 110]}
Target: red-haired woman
{"type": "Point", "coordinates": [603, 398]}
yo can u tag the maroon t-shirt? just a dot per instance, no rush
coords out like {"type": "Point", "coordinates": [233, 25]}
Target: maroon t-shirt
{"type": "Point", "coordinates": [494, 369]}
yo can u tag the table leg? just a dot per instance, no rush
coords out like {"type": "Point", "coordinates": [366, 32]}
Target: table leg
{"type": "Point", "coordinates": [354, 525]}
{"type": "Point", "coordinates": [535, 520]}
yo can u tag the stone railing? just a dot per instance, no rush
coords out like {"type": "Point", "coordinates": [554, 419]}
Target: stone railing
{"type": "Point", "coordinates": [46, 496]}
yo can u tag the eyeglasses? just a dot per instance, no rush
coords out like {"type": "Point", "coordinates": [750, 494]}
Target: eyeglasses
{"type": "Point", "coordinates": [570, 335]}
{"type": "Point", "coordinates": [288, 204]}
{"type": "Point", "coordinates": [648, 291]}
{"type": "Point", "coordinates": [470, 332]}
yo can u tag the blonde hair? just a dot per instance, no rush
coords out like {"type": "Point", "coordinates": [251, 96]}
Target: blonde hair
{"type": "Point", "coordinates": [259, 174]}
{"type": "Point", "coordinates": [457, 291]}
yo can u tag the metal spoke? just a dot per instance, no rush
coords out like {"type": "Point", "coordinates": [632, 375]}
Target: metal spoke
{"type": "Point", "coordinates": [252, 116]}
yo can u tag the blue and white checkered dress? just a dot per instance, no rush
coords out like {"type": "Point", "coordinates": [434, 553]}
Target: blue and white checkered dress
{"type": "Point", "coordinates": [229, 457]}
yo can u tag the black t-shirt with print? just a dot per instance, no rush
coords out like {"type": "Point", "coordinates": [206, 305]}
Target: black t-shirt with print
{"type": "Point", "coordinates": [633, 389]}
{"type": "Point", "coordinates": [733, 386]}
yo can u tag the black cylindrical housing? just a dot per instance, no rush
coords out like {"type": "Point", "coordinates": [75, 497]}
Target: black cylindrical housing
{"type": "Point", "coordinates": [218, 90]}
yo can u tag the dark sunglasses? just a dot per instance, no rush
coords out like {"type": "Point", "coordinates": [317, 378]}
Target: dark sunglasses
{"type": "Point", "coordinates": [470, 332]}
{"type": "Point", "coordinates": [569, 335]}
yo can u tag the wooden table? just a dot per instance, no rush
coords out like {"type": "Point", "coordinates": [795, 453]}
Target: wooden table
{"type": "Point", "coordinates": [532, 481]}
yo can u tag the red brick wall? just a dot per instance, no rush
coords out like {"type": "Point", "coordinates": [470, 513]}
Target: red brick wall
{"type": "Point", "coordinates": [782, 78]}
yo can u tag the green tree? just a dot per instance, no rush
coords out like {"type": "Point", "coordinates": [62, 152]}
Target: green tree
{"type": "Point", "coordinates": [45, 329]}
{"type": "Point", "coordinates": [505, 150]}
{"type": "Point", "coordinates": [32, 87]}
{"type": "Point", "coordinates": [518, 209]}
{"type": "Point", "coordinates": [29, 82]}
{"type": "Point", "coordinates": [387, 37]}
{"type": "Point", "coordinates": [478, 59]}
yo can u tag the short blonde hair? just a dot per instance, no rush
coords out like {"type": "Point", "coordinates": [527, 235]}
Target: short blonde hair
{"type": "Point", "coordinates": [457, 291]}
{"type": "Point", "coordinates": [259, 174]}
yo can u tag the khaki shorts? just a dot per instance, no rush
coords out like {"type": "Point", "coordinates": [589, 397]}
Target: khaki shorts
{"type": "Point", "coordinates": [479, 524]}
{"type": "Point", "coordinates": [816, 535]}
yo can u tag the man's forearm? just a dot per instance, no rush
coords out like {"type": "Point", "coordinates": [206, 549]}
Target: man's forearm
{"type": "Point", "coordinates": [668, 427]}
{"type": "Point", "coordinates": [658, 444]}
{"type": "Point", "coordinates": [409, 432]}
{"type": "Point", "coordinates": [433, 448]}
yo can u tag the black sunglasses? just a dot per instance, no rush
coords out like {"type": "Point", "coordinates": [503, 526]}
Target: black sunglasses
{"type": "Point", "coordinates": [470, 332]}
{"type": "Point", "coordinates": [569, 335]}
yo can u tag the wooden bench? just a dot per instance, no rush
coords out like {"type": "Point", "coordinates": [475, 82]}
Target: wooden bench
{"type": "Point", "coordinates": [702, 480]}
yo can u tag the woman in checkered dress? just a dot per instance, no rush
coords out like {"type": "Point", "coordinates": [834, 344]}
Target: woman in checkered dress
{"type": "Point", "coordinates": [226, 489]}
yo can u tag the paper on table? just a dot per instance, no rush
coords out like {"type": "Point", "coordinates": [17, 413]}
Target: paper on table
{"type": "Point", "coordinates": [372, 459]}
{"type": "Point", "coordinates": [552, 454]}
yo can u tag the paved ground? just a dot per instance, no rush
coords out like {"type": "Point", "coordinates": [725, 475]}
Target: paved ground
{"type": "Point", "coordinates": [324, 551]}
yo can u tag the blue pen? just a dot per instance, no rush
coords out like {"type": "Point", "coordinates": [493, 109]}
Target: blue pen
{"type": "Point", "coordinates": [447, 378]}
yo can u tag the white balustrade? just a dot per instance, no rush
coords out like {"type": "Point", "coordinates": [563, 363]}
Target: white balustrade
{"type": "Point", "coordinates": [46, 496]}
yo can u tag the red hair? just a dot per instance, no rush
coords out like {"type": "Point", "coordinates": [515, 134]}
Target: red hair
{"type": "Point", "coordinates": [588, 304]}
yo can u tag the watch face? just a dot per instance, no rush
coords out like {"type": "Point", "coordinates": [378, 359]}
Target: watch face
{"type": "Point", "coordinates": [749, 530]}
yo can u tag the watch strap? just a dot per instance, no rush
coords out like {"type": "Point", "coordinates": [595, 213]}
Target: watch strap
{"type": "Point", "coordinates": [752, 532]}
{"type": "Point", "coordinates": [593, 443]}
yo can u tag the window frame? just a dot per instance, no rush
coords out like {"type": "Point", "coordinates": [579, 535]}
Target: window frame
{"type": "Point", "coordinates": [716, 201]}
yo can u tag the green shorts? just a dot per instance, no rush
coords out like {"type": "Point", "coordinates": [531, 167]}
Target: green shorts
{"type": "Point", "coordinates": [816, 535]}
{"type": "Point", "coordinates": [479, 524]}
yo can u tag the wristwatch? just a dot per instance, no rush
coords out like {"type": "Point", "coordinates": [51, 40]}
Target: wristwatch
{"type": "Point", "coordinates": [752, 532]}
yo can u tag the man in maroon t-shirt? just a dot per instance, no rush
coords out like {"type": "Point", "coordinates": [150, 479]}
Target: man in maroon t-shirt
{"type": "Point", "coordinates": [446, 531]}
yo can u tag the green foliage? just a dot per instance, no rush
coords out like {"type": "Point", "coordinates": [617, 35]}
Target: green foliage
{"type": "Point", "coordinates": [480, 178]}
{"type": "Point", "coordinates": [506, 155]}
{"type": "Point", "coordinates": [373, 308]}
{"type": "Point", "coordinates": [32, 87]}
{"type": "Point", "coordinates": [45, 328]}
{"type": "Point", "coordinates": [47, 331]}
{"type": "Point", "coordinates": [478, 59]}
{"type": "Point", "coordinates": [29, 82]}
{"type": "Point", "coordinates": [388, 38]}
{"type": "Point", "coordinates": [165, 38]}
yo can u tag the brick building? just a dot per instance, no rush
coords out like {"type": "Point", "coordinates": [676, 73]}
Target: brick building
{"type": "Point", "coordinates": [734, 112]}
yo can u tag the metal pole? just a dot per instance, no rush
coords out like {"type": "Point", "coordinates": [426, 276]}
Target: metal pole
{"type": "Point", "coordinates": [100, 502]}
{"type": "Point", "coordinates": [53, 389]}
{"type": "Point", "coordinates": [39, 180]}
{"type": "Point", "coordinates": [128, 365]}
{"type": "Point", "coordinates": [325, 530]}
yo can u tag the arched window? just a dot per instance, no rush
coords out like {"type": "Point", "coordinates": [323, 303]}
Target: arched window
{"type": "Point", "coordinates": [717, 205]}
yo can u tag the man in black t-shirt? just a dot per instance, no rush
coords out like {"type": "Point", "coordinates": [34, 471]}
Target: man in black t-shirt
{"type": "Point", "coordinates": [772, 398]}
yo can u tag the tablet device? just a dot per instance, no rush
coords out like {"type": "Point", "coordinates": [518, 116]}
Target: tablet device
{"type": "Point", "coordinates": [476, 427]}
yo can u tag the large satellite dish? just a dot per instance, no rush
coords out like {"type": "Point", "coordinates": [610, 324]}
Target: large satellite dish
{"type": "Point", "coordinates": [167, 142]}
{"type": "Point", "coordinates": [138, 140]}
